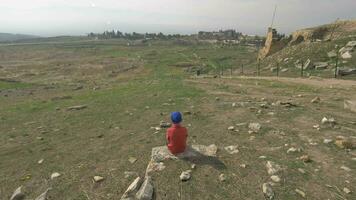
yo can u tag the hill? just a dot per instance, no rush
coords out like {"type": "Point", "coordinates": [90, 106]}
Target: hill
{"type": "Point", "coordinates": [9, 37]}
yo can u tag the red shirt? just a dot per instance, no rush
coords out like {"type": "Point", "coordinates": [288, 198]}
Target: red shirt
{"type": "Point", "coordinates": [176, 138]}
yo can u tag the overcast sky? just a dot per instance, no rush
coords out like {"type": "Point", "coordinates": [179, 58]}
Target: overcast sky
{"type": "Point", "coordinates": [75, 17]}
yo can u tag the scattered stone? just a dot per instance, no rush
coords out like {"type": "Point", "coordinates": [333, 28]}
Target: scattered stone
{"type": "Point", "coordinates": [267, 191]}
{"type": "Point", "coordinates": [232, 149]}
{"type": "Point", "coordinates": [234, 105]}
{"type": "Point", "coordinates": [345, 168]}
{"type": "Point", "coordinates": [217, 99]}
{"type": "Point", "coordinates": [328, 121]}
{"type": "Point", "coordinates": [275, 178]}
{"type": "Point", "coordinates": [343, 143]}
{"type": "Point", "coordinates": [155, 166]}
{"type": "Point", "coordinates": [18, 194]}
{"type": "Point", "coordinates": [332, 54]}
{"type": "Point", "coordinates": [305, 158]}
{"type": "Point", "coordinates": [132, 160]}
{"type": "Point", "coordinates": [262, 157]}
{"type": "Point", "coordinates": [272, 168]}
{"type": "Point", "coordinates": [327, 141]}
{"type": "Point", "coordinates": [193, 166]}
{"type": "Point", "coordinates": [164, 124]}
{"type": "Point", "coordinates": [146, 190]}
{"type": "Point", "coordinates": [255, 127]}
{"type": "Point", "coordinates": [350, 105]}
{"type": "Point", "coordinates": [40, 161]}
{"type": "Point", "coordinates": [80, 107]}
{"type": "Point", "coordinates": [315, 100]}
{"type": "Point", "coordinates": [284, 70]}
{"type": "Point", "coordinates": [243, 166]}
{"type": "Point", "coordinates": [39, 138]}
{"type": "Point", "coordinates": [301, 170]}
{"type": "Point", "coordinates": [222, 177]}
{"type": "Point", "coordinates": [321, 65]}
{"type": "Point", "coordinates": [351, 44]}
{"type": "Point", "coordinates": [55, 175]}
{"type": "Point", "coordinates": [347, 190]}
{"type": "Point", "coordinates": [43, 196]}
{"type": "Point", "coordinates": [317, 127]}
{"type": "Point", "coordinates": [185, 176]}
{"type": "Point", "coordinates": [307, 64]}
{"type": "Point", "coordinates": [346, 55]}
{"type": "Point", "coordinates": [293, 150]}
{"type": "Point", "coordinates": [231, 128]}
{"type": "Point", "coordinates": [132, 189]}
{"type": "Point", "coordinates": [300, 192]}
{"type": "Point", "coordinates": [98, 179]}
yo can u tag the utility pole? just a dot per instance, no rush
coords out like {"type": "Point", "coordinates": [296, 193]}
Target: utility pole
{"type": "Point", "coordinates": [258, 67]}
{"type": "Point", "coordinates": [274, 15]}
{"type": "Point", "coordinates": [336, 64]}
{"type": "Point", "coordinates": [277, 69]}
{"type": "Point", "coordinates": [302, 70]}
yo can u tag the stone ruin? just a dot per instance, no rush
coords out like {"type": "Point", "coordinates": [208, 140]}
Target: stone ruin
{"type": "Point", "coordinates": [274, 42]}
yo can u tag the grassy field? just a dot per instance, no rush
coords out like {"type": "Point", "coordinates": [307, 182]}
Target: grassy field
{"type": "Point", "coordinates": [129, 89]}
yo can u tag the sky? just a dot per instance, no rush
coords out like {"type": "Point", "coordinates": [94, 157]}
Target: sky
{"type": "Point", "coordinates": [79, 17]}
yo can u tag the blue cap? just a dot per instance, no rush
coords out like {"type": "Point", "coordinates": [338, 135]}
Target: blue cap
{"type": "Point", "coordinates": [176, 117]}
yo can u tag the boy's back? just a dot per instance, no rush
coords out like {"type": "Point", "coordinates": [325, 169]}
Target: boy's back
{"type": "Point", "coordinates": [176, 138]}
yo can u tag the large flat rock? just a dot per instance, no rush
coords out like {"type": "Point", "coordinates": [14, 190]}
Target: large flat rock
{"type": "Point", "coordinates": [162, 153]}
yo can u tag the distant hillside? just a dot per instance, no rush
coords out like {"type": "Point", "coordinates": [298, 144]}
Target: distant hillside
{"type": "Point", "coordinates": [8, 37]}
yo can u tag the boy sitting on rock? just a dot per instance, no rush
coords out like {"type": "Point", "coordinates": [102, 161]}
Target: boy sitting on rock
{"type": "Point", "coordinates": [176, 135]}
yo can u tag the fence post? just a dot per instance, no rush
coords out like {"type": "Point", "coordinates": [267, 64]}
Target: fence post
{"type": "Point", "coordinates": [258, 67]}
{"type": "Point", "coordinates": [336, 64]}
{"type": "Point", "coordinates": [242, 69]}
{"type": "Point", "coordinates": [277, 69]}
{"type": "Point", "coordinates": [231, 71]}
{"type": "Point", "coordinates": [302, 70]}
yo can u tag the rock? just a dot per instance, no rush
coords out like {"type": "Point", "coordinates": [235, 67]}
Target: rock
{"type": "Point", "coordinates": [315, 100]}
{"type": "Point", "coordinates": [272, 168]}
{"type": "Point", "coordinates": [18, 194]}
{"type": "Point", "coordinates": [132, 189]}
{"type": "Point", "coordinates": [347, 190]}
{"type": "Point", "coordinates": [350, 105]}
{"type": "Point", "coordinates": [146, 190]}
{"type": "Point", "coordinates": [307, 64]}
{"type": "Point", "coordinates": [43, 196]}
{"type": "Point", "coordinates": [185, 176]}
{"type": "Point", "coordinates": [346, 55]}
{"type": "Point", "coordinates": [305, 158]}
{"type": "Point", "coordinates": [231, 128]}
{"type": "Point", "coordinates": [332, 54]}
{"type": "Point", "coordinates": [300, 192]}
{"type": "Point", "coordinates": [80, 107]}
{"type": "Point", "coordinates": [243, 166]}
{"type": "Point", "coordinates": [345, 49]}
{"type": "Point", "coordinates": [321, 65]}
{"type": "Point", "coordinates": [193, 166]}
{"type": "Point", "coordinates": [132, 160]}
{"type": "Point", "coordinates": [328, 121]}
{"type": "Point", "coordinates": [222, 177]}
{"type": "Point", "coordinates": [327, 141]}
{"type": "Point", "coordinates": [351, 44]}
{"type": "Point", "coordinates": [130, 174]}
{"type": "Point", "coordinates": [275, 178]}
{"type": "Point", "coordinates": [233, 104]}
{"type": "Point", "coordinates": [164, 124]}
{"type": "Point", "coordinates": [217, 99]}
{"type": "Point", "coordinates": [98, 179]}
{"type": "Point", "coordinates": [284, 70]}
{"type": "Point", "coordinates": [232, 149]}
{"type": "Point", "coordinates": [255, 127]}
{"type": "Point", "coordinates": [40, 161]}
{"type": "Point", "coordinates": [345, 168]}
{"type": "Point", "coordinates": [187, 112]}
{"type": "Point", "coordinates": [267, 191]}
{"type": "Point", "coordinates": [155, 166]}
{"type": "Point", "coordinates": [343, 143]}
{"type": "Point", "coordinates": [55, 175]}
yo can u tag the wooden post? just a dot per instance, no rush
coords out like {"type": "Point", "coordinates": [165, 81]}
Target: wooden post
{"type": "Point", "coordinates": [231, 71]}
{"type": "Point", "coordinates": [302, 70]}
{"type": "Point", "coordinates": [242, 69]}
{"type": "Point", "coordinates": [258, 67]}
{"type": "Point", "coordinates": [336, 64]}
{"type": "Point", "coordinates": [277, 68]}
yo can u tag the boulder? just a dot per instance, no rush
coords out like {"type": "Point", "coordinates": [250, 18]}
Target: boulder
{"type": "Point", "coordinates": [146, 190]}
{"type": "Point", "coordinates": [346, 55]}
{"type": "Point", "coordinates": [350, 105]}
{"type": "Point", "coordinates": [332, 54]}
{"type": "Point", "coordinates": [267, 191]}
{"type": "Point", "coordinates": [272, 168]}
{"type": "Point", "coordinates": [185, 176]}
{"type": "Point", "coordinates": [43, 196]}
{"type": "Point", "coordinates": [255, 127]}
{"type": "Point", "coordinates": [232, 149]}
{"type": "Point", "coordinates": [132, 189]}
{"type": "Point", "coordinates": [321, 65]}
{"type": "Point", "coordinates": [351, 44]}
{"type": "Point", "coordinates": [307, 64]}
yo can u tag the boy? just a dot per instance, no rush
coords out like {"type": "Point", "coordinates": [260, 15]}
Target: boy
{"type": "Point", "coordinates": [176, 135]}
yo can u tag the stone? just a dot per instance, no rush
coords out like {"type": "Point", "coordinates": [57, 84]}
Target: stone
{"type": "Point", "coordinates": [80, 107]}
{"type": "Point", "coordinates": [233, 104]}
{"type": "Point", "coordinates": [132, 160]}
{"type": "Point", "coordinates": [301, 170]}
{"type": "Point", "coordinates": [98, 179]}
{"type": "Point", "coordinates": [351, 44]}
{"type": "Point", "coordinates": [347, 190]}
{"type": "Point", "coordinates": [146, 190]}
{"type": "Point", "coordinates": [164, 124]}
{"type": "Point", "coordinates": [284, 70]}
{"type": "Point", "coordinates": [43, 196]}
{"type": "Point", "coordinates": [155, 166]}
{"type": "Point", "coordinates": [275, 178]}
{"type": "Point", "coordinates": [332, 54]}
{"type": "Point", "coordinates": [132, 189]}
{"type": "Point", "coordinates": [293, 150]}
{"type": "Point", "coordinates": [193, 166]}
{"type": "Point", "coordinates": [300, 192]}
{"type": "Point", "coordinates": [315, 100]}
{"type": "Point", "coordinates": [272, 168]}
{"type": "Point", "coordinates": [185, 176]}
{"type": "Point", "coordinates": [328, 121]}
{"type": "Point", "coordinates": [129, 174]}
{"type": "Point", "coordinates": [267, 191]}
{"type": "Point", "coordinates": [350, 105]}
{"type": "Point", "coordinates": [232, 149]}
{"type": "Point", "coordinates": [40, 161]}
{"type": "Point", "coordinates": [321, 65]}
{"type": "Point", "coordinates": [255, 127]}
{"type": "Point", "coordinates": [18, 194]}
{"type": "Point", "coordinates": [307, 64]}
{"type": "Point", "coordinates": [222, 177]}
{"type": "Point", "coordinates": [327, 141]}
{"type": "Point", "coordinates": [243, 166]}
{"type": "Point", "coordinates": [55, 175]}
{"type": "Point", "coordinates": [217, 99]}
{"type": "Point", "coordinates": [345, 168]}
{"type": "Point", "coordinates": [346, 55]}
